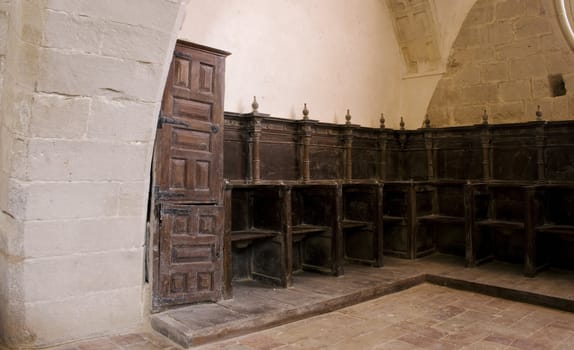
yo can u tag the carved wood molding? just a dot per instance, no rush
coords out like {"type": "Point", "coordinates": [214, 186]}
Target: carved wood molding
{"type": "Point", "coordinates": [565, 10]}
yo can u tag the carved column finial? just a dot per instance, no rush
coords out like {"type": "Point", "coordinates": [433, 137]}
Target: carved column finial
{"type": "Point", "coordinates": [539, 114]}
{"type": "Point", "coordinates": [427, 121]}
{"type": "Point", "coordinates": [255, 105]}
{"type": "Point", "coordinates": [402, 124]}
{"type": "Point", "coordinates": [348, 117]}
{"type": "Point", "coordinates": [305, 112]}
{"type": "Point", "coordinates": [485, 117]}
{"type": "Point", "coordinates": [382, 121]}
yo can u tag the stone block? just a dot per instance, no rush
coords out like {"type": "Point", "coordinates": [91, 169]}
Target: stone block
{"type": "Point", "coordinates": [157, 14]}
{"type": "Point", "coordinates": [133, 199]}
{"type": "Point", "coordinates": [24, 67]}
{"type": "Point", "coordinates": [11, 237]}
{"type": "Point", "coordinates": [545, 107]}
{"type": "Point", "coordinates": [531, 26]}
{"type": "Point", "coordinates": [507, 112]}
{"type": "Point", "coordinates": [560, 108]}
{"type": "Point", "coordinates": [514, 90]}
{"type": "Point", "coordinates": [540, 88]}
{"type": "Point", "coordinates": [76, 275]}
{"type": "Point", "coordinates": [121, 120]}
{"type": "Point", "coordinates": [55, 201]}
{"type": "Point", "coordinates": [518, 49]}
{"type": "Point", "coordinates": [15, 199]}
{"type": "Point", "coordinates": [66, 31]}
{"type": "Point", "coordinates": [471, 37]}
{"type": "Point", "coordinates": [466, 115]}
{"type": "Point", "coordinates": [91, 75]}
{"type": "Point", "coordinates": [506, 9]}
{"type": "Point", "coordinates": [468, 74]}
{"type": "Point", "coordinates": [68, 237]}
{"type": "Point", "coordinates": [3, 32]}
{"type": "Point", "coordinates": [439, 116]}
{"type": "Point", "coordinates": [61, 160]}
{"type": "Point", "coordinates": [56, 116]}
{"type": "Point", "coordinates": [491, 72]}
{"type": "Point", "coordinates": [478, 94]}
{"type": "Point", "coordinates": [528, 67]}
{"type": "Point", "coordinates": [540, 8]}
{"type": "Point", "coordinates": [476, 55]}
{"type": "Point", "coordinates": [31, 17]}
{"type": "Point", "coordinates": [66, 319]}
{"type": "Point", "coordinates": [500, 32]}
{"type": "Point", "coordinates": [13, 150]}
{"type": "Point", "coordinates": [552, 42]}
{"type": "Point", "coordinates": [560, 62]}
{"type": "Point", "coordinates": [135, 42]}
{"type": "Point", "coordinates": [480, 14]}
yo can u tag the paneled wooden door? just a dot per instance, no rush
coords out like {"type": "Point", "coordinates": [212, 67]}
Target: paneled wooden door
{"type": "Point", "coordinates": [187, 180]}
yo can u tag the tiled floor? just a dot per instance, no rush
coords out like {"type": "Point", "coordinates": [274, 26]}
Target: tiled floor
{"type": "Point", "coordinates": [256, 306]}
{"type": "Point", "coordinates": [426, 316]}
{"type": "Point", "coordinates": [423, 317]}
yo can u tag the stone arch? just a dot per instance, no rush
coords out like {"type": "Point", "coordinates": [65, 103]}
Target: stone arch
{"type": "Point", "coordinates": [81, 85]}
{"type": "Point", "coordinates": [509, 58]}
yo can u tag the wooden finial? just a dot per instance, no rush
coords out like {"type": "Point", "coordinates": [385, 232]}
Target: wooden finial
{"type": "Point", "coordinates": [348, 117]}
{"type": "Point", "coordinates": [305, 112]}
{"type": "Point", "coordinates": [484, 117]}
{"type": "Point", "coordinates": [255, 105]}
{"type": "Point", "coordinates": [382, 121]}
{"type": "Point", "coordinates": [427, 121]}
{"type": "Point", "coordinates": [539, 114]}
{"type": "Point", "coordinates": [402, 124]}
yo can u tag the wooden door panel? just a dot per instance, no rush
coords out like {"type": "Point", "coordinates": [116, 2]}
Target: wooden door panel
{"type": "Point", "coordinates": [191, 156]}
{"type": "Point", "coordinates": [195, 75]}
{"type": "Point", "coordinates": [190, 253]}
{"type": "Point", "coordinates": [189, 171]}
{"type": "Point", "coordinates": [188, 180]}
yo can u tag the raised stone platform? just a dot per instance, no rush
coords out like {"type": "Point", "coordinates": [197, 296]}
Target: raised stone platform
{"type": "Point", "coordinates": [256, 306]}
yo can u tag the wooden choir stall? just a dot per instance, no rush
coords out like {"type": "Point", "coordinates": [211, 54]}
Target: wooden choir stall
{"type": "Point", "coordinates": [250, 196]}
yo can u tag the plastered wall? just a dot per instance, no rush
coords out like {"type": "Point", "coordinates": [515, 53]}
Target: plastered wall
{"type": "Point", "coordinates": [508, 59]}
{"type": "Point", "coordinates": [330, 54]}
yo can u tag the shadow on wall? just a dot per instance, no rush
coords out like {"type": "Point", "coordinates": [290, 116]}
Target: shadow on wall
{"type": "Point", "coordinates": [509, 58]}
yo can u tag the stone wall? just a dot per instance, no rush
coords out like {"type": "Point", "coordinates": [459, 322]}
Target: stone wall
{"type": "Point", "coordinates": [78, 114]}
{"type": "Point", "coordinates": [509, 57]}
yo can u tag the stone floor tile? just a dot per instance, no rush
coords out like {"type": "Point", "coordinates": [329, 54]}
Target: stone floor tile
{"type": "Point", "coordinates": [260, 341]}
{"type": "Point", "coordinates": [501, 339]}
{"type": "Point", "coordinates": [143, 346]}
{"type": "Point", "coordinates": [98, 344]}
{"type": "Point", "coordinates": [551, 336]}
{"type": "Point", "coordinates": [530, 344]}
{"type": "Point", "coordinates": [484, 345]}
{"type": "Point", "coordinates": [159, 340]}
{"type": "Point", "coordinates": [427, 342]}
{"type": "Point", "coordinates": [446, 312]}
{"type": "Point", "coordinates": [128, 339]}
{"type": "Point", "coordinates": [396, 345]}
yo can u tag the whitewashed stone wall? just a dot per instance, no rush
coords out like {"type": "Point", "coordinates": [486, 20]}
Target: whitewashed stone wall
{"type": "Point", "coordinates": [80, 96]}
{"type": "Point", "coordinates": [501, 61]}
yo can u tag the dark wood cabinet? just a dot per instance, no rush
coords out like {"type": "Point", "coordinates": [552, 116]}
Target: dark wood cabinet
{"type": "Point", "coordinates": [497, 221]}
{"type": "Point", "coordinates": [409, 193]}
{"type": "Point", "coordinates": [187, 213]}
{"type": "Point", "coordinates": [362, 223]}
{"type": "Point", "coordinates": [258, 231]}
{"type": "Point", "coordinates": [316, 228]}
{"type": "Point", "coordinates": [549, 227]}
